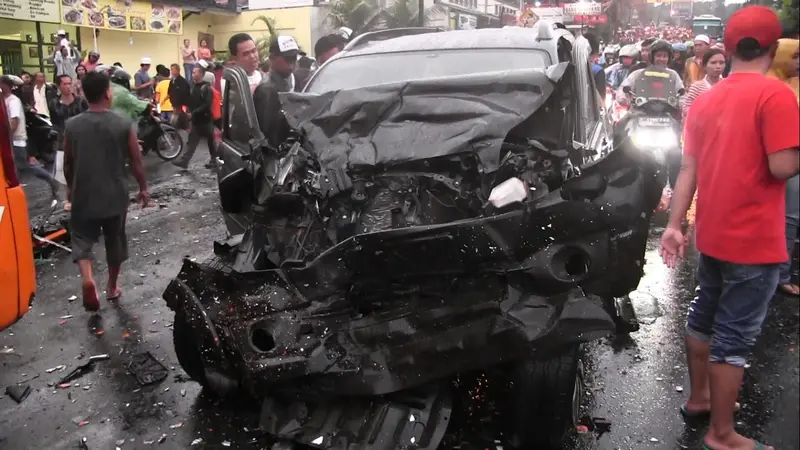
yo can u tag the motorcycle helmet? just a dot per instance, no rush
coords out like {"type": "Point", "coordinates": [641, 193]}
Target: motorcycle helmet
{"type": "Point", "coordinates": [679, 47]}
{"type": "Point", "coordinates": [629, 50]}
{"type": "Point", "coordinates": [120, 77]}
{"type": "Point", "coordinates": [660, 46]}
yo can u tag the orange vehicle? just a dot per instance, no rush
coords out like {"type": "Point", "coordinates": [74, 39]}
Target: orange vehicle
{"type": "Point", "coordinates": [17, 270]}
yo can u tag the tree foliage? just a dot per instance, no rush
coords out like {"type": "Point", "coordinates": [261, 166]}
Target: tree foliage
{"type": "Point", "coordinates": [358, 15]}
{"type": "Point", "coordinates": [790, 14]}
{"type": "Point", "coordinates": [262, 43]}
{"type": "Point", "coordinates": [362, 16]}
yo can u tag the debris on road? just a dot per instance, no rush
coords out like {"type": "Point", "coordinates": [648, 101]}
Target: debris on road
{"type": "Point", "coordinates": [19, 392]}
{"type": "Point", "coordinates": [678, 388]}
{"type": "Point", "coordinates": [53, 369]}
{"type": "Point", "coordinates": [82, 444]}
{"type": "Point", "coordinates": [81, 370]}
{"type": "Point", "coordinates": [197, 441]}
{"type": "Point", "coordinates": [7, 351]}
{"type": "Point", "coordinates": [147, 369]}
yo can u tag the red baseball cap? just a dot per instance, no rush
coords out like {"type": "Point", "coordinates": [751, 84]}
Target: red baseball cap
{"type": "Point", "coordinates": [756, 22]}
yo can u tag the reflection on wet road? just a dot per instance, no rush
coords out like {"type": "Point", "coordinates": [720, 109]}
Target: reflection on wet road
{"type": "Point", "coordinates": [636, 383]}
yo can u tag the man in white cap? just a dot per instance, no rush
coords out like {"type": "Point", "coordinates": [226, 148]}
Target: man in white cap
{"type": "Point", "coordinates": [142, 81]}
{"type": "Point", "coordinates": [62, 39]}
{"type": "Point", "coordinates": [694, 66]}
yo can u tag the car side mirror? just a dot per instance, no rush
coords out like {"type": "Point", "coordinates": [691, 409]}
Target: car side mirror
{"type": "Point", "coordinates": [235, 191]}
{"type": "Point", "coordinates": [626, 89]}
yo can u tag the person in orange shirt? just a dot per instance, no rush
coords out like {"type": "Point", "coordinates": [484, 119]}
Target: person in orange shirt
{"type": "Point", "coordinates": [694, 66]}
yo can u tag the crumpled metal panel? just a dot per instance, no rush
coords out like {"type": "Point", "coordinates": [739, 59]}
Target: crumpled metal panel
{"type": "Point", "coordinates": [411, 420]}
{"type": "Point", "coordinates": [420, 119]}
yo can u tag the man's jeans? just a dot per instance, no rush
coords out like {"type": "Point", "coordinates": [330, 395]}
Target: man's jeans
{"type": "Point", "coordinates": [730, 306]}
{"type": "Point", "coordinates": [22, 165]}
{"type": "Point", "coordinates": [792, 219]}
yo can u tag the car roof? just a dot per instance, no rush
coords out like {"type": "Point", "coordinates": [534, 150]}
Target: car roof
{"type": "Point", "coordinates": [522, 38]}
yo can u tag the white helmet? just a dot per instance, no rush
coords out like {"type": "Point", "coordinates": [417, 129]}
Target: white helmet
{"type": "Point", "coordinates": [629, 51]}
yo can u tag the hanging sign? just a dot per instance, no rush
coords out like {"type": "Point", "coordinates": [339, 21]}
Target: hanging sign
{"type": "Point", "coordinates": [36, 10]}
{"type": "Point", "coordinates": [123, 15]}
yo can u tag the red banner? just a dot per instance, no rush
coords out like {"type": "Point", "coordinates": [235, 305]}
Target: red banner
{"type": "Point", "coordinates": [596, 19]}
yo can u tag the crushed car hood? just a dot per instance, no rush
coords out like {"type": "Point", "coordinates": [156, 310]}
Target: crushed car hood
{"type": "Point", "coordinates": [395, 123]}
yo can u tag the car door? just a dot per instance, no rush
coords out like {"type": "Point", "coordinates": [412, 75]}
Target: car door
{"type": "Point", "coordinates": [240, 136]}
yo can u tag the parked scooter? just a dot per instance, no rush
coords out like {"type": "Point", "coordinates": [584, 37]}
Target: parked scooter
{"type": "Point", "coordinates": [42, 137]}
{"type": "Point", "coordinates": [159, 136]}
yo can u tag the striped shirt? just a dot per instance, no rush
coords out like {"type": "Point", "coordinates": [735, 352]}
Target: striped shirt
{"type": "Point", "coordinates": [60, 112]}
{"type": "Point", "coordinates": [697, 88]}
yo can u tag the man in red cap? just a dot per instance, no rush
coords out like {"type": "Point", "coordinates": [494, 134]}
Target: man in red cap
{"type": "Point", "coordinates": [741, 145]}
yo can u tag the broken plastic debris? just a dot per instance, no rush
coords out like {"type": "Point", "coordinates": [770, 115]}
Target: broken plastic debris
{"type": "Point", "coordinates": [73, 298]}
{"type": "Point", "coordinates": [19, 392]}
{"type": "Point", "coordinates": [162, 439]}
{"type": "Point", "coordinates": [7, 350]}
{"type": "Point", "coordinates": [653, 440]}
{"type": "Point", "coordinates": [120, 442]}
{"type": "Point", "coordinates": [68, 316]}
{"type": "Point", "coordinates": [226, 443]}
{"type": "Point", "coordinates": [678, 388]}
{"type": "Point", "coordinates": [582, 429]}
{"type": "Point", "coordinates": [197, 441]}
{"type": "Point", "coordinates": [53, 369]}
{"type": "Point", "coordinates": [507, 192]}
{"type": "Point", "coordinates": [183, 392]}
{"type": "Point", "coordinates": [83, 423]}
{"type": "Point", "coordinates": [177, 425]}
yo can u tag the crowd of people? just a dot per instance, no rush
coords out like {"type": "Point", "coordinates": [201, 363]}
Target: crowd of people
{"type": "Point", "coordinates": [638, 33]}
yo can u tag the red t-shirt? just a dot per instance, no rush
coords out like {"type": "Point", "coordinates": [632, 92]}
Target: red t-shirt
{"type": "Point", "coordinates": [730, 130]}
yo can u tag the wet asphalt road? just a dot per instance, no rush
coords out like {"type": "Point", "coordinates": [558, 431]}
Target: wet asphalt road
{"type": "Point", "coordinates": [633, 382]}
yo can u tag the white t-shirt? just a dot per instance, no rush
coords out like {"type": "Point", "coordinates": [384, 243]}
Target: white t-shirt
{"type": "Point", "coordinates": [253, 80]}
{"type": "Point", "coordinates": [14, 107]}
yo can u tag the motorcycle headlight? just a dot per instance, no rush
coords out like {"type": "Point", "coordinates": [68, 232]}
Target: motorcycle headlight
{"type": "Point", "coordinates": [654, 139]}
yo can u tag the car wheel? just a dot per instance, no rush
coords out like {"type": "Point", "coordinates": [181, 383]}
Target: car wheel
{"type": "Point", "coordinates": [187, 350]}
{"type": "Point", "coordinates": [546, 397]}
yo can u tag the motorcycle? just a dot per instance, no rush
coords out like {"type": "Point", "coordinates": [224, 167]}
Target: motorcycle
{"type": "Point", "coordinates": [652, 123]}
{"type": "Point", "coordinates": [159, 136]}
{"type": "Point", "coordinates": [42, 137]}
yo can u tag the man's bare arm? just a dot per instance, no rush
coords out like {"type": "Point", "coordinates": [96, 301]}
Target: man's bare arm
{"type": "Point", "coordinates": [784, 164]}
{"type": "Point", "coordinates": [14, 124]}
{"type": "Point", "coordinates": [136, 161]}
{"type": "Point", "coordinates": [684, 191]}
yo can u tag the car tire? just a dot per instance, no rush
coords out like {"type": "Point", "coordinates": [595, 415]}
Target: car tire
{"type": "Point", "coordinates": [186, 349]}
{"type": "Point", "coordinates": [546, 395]}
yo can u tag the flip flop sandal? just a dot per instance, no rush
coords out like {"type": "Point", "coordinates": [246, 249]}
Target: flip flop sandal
{"type": "Point", "coordinates": [90, 300]}
{"type": "Point", "coordinates": [694, 415]}
{"type": "Point", "coordinates": [115, 295]}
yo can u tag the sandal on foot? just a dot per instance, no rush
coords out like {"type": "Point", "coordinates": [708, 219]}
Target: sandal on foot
{"type": "Point", "coordinates": [704, 414]}
{"type": "Point", "coordinates": [90, 301]}
{"type": "Point", "coordinates": [114, 296]}
{"type": "Point", "coordinates": [790, 289]}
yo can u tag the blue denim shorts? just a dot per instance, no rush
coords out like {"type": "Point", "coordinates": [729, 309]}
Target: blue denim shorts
{"type": "Point", "coordinates": [730, 306]}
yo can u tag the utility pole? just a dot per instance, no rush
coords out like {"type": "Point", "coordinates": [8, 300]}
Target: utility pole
{"type": "Point", "coordinates": [421, 13]}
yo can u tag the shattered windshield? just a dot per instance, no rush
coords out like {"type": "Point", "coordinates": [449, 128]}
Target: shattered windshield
{"type": "Point", "coordinates": [369, 70]}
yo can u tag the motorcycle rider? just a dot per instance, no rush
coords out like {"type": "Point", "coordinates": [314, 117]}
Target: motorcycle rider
{"type": "Point", "coordinates": [92, 61]}
{"type": "Point", "coordinates": [645, 49]}
{"type": "Point", "coordinates": [660, 57]}
{"type": "Point", "coordinates": [619, 71]}
{"type": "Point", "coordinates": [124, 102]}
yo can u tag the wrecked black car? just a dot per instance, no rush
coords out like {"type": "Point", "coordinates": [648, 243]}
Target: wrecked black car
{"type": "Point", "coordinates": [414, 230]}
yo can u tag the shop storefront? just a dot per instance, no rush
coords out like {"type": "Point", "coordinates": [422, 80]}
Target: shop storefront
{"type": "Point", "coordinates": [28, 34]}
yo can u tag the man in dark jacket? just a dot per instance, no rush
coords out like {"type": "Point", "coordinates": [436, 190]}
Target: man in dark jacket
{"type": "Point", "coordinates": [179, 91]}
{"type": "Point", "coordinates": [202, 120]}
{"type": "Point", "coordinates": [283, 53]}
